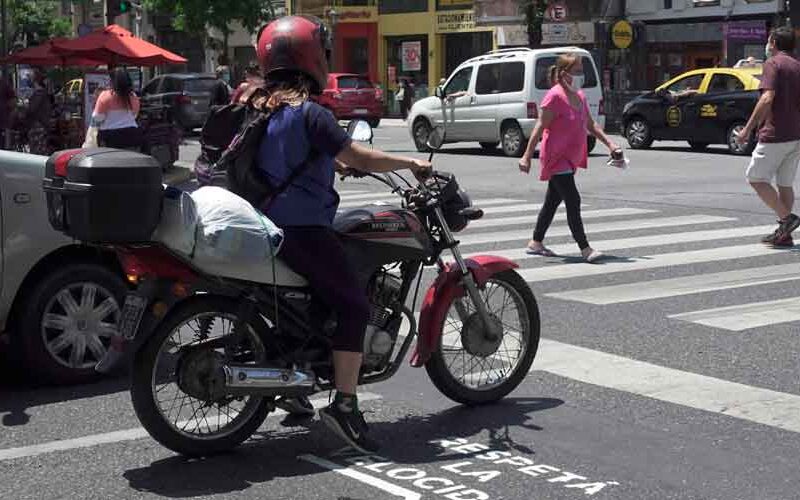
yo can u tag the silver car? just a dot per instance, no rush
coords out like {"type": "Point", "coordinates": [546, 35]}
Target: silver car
{"type": "Point", "coordinates": [60, 300]}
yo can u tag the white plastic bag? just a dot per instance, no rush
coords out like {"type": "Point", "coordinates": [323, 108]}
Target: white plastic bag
{"type": "Point", "coordinates": [178, 224]}
{"type": "Point", "coordinates": [231, 229]}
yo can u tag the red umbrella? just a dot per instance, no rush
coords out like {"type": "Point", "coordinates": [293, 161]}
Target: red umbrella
{"type": "Point", "coordinates": [116, 45]}
{"type": "Point", "coordinates": [44, 55]}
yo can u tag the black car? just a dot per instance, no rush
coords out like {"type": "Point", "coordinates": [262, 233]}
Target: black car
{"type": "Point", "coordinates": [702, 107]}
{"type": "Point", "coordinates": [189, 95]}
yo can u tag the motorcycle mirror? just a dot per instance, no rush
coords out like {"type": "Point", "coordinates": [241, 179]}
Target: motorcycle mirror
{"type": "Point", "coordinates": [436, 138]}
{"type": "Point", "coordinates": [360, 130]}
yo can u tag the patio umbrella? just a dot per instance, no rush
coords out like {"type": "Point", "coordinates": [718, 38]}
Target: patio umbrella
{"type": "Point", "coordinates": [45, 55]}
{"type": "Point", "coordinates": [116, 45]}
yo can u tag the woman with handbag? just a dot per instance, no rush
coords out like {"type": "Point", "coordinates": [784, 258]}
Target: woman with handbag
{"type": "Point", "coordinates": [114, 118]}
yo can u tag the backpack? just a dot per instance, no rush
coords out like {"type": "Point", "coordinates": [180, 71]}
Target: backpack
{"type": "Point", "coordinates": [229, 145]}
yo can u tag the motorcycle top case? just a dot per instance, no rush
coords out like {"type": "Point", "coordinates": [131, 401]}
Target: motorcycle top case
{"type": "Point", "coordinates": [103, 195]}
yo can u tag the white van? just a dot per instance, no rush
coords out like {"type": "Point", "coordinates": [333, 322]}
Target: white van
{"type": "Point", "coordinates": [497, 99]}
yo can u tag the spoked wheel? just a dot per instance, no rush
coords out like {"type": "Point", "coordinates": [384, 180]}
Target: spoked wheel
{"type": "Point", "coordinates": [470, 368]}
{"type": "Point", "coordinates": [178, 385]}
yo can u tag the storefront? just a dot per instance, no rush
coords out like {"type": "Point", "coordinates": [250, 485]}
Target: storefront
{"type": "Point", "coordinates": [461, 37]}
{"type": "Point", "coordinates": [356, 41]}
{"type": "Point", "coordinates": [744, 39]}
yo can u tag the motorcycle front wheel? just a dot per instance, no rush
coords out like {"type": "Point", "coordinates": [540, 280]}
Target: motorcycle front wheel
{"type": "Point", "coordinates": [470, 368]}
{"type": "Point", "coordinates": [172, 383]}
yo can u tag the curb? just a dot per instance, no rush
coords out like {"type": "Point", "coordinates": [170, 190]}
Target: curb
{"type": "Point", "coordinates": [180, 173]}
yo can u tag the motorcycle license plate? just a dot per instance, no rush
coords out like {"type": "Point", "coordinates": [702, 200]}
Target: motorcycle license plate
{"type": "Point", "coordinates": [132, 313]}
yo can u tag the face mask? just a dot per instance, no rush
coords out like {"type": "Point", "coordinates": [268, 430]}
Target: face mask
{"type": "Point", "coordinates": [768, 51]}
{"type": "Point", "coordinates": [577, 82]}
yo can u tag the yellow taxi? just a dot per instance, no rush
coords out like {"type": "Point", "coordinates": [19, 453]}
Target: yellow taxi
{"type": "Point", "coordinates": [703, 106]}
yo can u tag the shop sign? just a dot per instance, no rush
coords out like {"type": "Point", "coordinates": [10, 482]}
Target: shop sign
{"type": "Point", "coordinates": [411, 56]}
{"type": "Point", "coordinates": [622, 34]}
{"type": "Point", "coordinates": [357, 14]}
{"type": "Point", "coordinates": [93, 84]}
{"type": "Point", "coordinates": [557, 11]}
{"type": "Point", "coordinates": [508, 36]}
{"type": "Point", "coordinates": [746, 30]}
{"type": "Point", "coordinates": [564, 33]}
{"type": "Point", "coordinates": [456, 21]}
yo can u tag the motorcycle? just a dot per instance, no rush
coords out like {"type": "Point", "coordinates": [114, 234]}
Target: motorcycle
{"type": "Point", "coordinates": [214, 354]}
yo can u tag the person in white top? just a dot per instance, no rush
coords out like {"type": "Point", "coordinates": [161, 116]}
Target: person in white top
{"type": "Point", "coordinates": [114, 118]}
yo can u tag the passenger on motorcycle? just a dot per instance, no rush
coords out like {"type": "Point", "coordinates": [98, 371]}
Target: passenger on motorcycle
{"type": "Point", "coordinates": [293, 55]}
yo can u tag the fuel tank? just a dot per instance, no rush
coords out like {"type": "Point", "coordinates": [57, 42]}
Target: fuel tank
{"type": "Point", "coordinates": [383, 234]}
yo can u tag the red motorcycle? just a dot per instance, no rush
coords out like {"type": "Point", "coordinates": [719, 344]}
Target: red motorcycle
{"type": "Point", "coordinates": [215, 349]}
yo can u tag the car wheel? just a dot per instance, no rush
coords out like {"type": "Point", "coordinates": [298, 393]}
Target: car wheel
{"type": "Point", "coordinates": [513, 140]}
{"type": "Point", "coordinates": [489, 146]}
{"type": "Point", "coordinates": [639, 134]}
{"type": "Point", "coordinates": [591, 142]}
{"type": "Point", "coordinates": [736, 148]}
{"type": "Point", "coordinates": [422, 130]}
{"type": "Point", "coordinates": [698, 146]}
{"type": "Point", "coordinates": [69, 320]}
{"type": "Point", "coordinates": [374, 122]}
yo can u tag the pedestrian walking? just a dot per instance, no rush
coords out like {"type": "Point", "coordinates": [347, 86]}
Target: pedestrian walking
{"type": "Point", "coordinates": [220, 92]}
{"type": "Point", "coordinates": [114, 118]}
{"type": "Point", "coordinates": [563, 125]}
{"type": "Point", "coordinates": [38, 116]}
{"type": "Point", "coordinates": [777, 118]}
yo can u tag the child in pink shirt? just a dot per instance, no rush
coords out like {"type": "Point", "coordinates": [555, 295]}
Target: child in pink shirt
{"type": "Point", "coordinates": [564, 123]}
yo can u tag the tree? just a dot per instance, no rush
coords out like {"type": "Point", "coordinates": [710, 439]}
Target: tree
{"type": "Point", "coordinates": [35, 21]}
{"type": "Point", "coordinates": [534, 16]}
{"type": "Point", "coordinates": [196, 16]}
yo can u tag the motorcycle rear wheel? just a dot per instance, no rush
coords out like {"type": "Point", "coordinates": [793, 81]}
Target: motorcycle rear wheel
{"type": "Point", "coordinates": [150, 379]}
{"type": "Point", "coordinates": [462, 345]}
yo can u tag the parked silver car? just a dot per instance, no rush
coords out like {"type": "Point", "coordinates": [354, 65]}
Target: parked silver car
{"type": "Point", "coordinates": [60, 300]}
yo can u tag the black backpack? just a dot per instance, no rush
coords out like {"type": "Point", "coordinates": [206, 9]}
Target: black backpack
{"type": "Point", "coordinates": [229, 144]}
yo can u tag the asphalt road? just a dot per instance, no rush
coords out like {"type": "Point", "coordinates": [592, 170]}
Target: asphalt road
{"type": "Point", "coordinates": [667, 371]}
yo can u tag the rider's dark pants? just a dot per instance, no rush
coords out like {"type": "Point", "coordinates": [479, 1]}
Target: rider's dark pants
{"type": "Point", "coordinates": [562, 188]}
{"type": "Point", "coordinates": [317, 254]}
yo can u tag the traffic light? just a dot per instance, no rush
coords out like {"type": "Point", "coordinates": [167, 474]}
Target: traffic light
{"type": "Point", "coordinates": [116, 8]}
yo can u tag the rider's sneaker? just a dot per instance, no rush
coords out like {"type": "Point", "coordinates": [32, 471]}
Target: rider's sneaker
{"type": "Point", "coordinates": [349, 424]}
{"type": "Point", "coordinates": [299, 406]}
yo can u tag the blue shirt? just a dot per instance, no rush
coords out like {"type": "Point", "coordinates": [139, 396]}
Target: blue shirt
{"type": "Point", "coordinates": [311, 200]}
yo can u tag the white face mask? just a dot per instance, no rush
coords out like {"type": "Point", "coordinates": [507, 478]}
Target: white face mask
{"type": "Point", "coordinates": [768, 50]}
{"type": "Point", "coordinates": [577, 82]}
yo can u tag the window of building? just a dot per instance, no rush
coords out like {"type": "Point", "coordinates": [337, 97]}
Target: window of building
{"type": "Point", "coordinates": [705, 3]}
{"type": "Point", "coordinates": [544, 64]}
{"type": "Point", "coordinates": [401, 6]}
{"type": "Point", "coordinates": [725, 83]}
{"type": "Point", "coordinates": [667, 4]}
{"type": "Point", "coordinates": [459, 82]}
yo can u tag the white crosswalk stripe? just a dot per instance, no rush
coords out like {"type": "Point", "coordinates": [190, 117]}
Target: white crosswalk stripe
{"type": "Point", "coordinates": [531, 219]}
{"type": "Point", "coordinates": [746, 316]}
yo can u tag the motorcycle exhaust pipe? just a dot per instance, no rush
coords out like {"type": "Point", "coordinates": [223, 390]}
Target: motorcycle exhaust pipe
{"type": "Point", "coordinates": [251, 379]}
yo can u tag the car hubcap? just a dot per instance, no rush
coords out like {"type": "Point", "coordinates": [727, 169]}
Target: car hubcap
{"type": "Point", "coordinates": [512, 139]}
{"type": "Point", "coordinates": [422, 133]}
{"type": "Point", "coordinates": [637, 132]}
{"type": "Point", "coordinates": [78, 324]}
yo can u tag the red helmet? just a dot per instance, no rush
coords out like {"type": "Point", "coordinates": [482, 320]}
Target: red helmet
{"type": "Point", "coordinates": [295, 43]}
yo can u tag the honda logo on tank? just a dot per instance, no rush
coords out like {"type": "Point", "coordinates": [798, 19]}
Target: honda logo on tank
{"type": "Point", "coordinates": [412, 56]}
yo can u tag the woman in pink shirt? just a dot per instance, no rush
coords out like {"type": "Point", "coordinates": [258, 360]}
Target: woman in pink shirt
{"type": "Point", "coordinates": [114, 118]}
{"type": "Point", "coordinates": [564, 122]}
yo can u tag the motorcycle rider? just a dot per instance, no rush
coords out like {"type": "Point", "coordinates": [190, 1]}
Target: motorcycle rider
{"type": "Point", "coordinates": [293, 55]}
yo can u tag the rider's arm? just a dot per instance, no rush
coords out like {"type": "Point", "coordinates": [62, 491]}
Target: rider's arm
{"type": "Point", "coordinates": [370, 160]}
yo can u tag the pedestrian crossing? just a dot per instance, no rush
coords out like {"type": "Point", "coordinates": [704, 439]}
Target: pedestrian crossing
{"type": "Point", "coordinates": [683, 242]}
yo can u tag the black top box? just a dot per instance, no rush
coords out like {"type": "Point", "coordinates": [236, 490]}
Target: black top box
{"type": "Point", "coordinates": [103, 195]}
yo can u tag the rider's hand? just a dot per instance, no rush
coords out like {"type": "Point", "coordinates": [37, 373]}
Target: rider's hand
{"type": "Point", "coordinates": [421, 168]}
{"type": "Point", "coordinates": [525, 165]}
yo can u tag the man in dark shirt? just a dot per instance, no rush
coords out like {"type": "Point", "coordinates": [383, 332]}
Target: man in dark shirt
{"type": "Point", "coordinates": [777, 118]}
{"type": "Point", "coordinates": [220, 92]}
